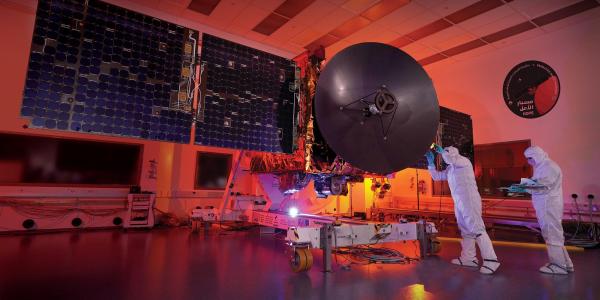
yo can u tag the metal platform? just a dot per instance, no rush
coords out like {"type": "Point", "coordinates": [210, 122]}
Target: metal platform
{"type": "Point", "coordinates": [305, 231]}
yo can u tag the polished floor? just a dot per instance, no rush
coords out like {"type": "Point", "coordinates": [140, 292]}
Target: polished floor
{"type": "Point", "coordinates": [175, 264]}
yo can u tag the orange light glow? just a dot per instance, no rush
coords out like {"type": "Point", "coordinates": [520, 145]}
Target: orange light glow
{"type": "Point", "coordinates": [416, 292]}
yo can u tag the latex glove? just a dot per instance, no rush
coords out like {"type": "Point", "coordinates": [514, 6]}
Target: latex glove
{"type": "Point", "coordinates": [438, 149]}
{"type": "Point", "coordinates": [516, 189]}
{"type": "Point", "coordinates": [430, 158]}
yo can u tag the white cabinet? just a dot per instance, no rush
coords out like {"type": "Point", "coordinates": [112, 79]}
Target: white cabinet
{"type": "Point", "coordinates": [140, 211]}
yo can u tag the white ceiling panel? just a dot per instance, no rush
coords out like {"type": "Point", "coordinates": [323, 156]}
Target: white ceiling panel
{"type": "Point", "coordinates": [423, 53]}
{"type": "Point", "coordinates": [255, 36]}
{"type": "Point", "coordinates": [591, 14]}
{"type": "Point", "coordinates": [271, 41]}
{"type": "Point", "coordinates": [237, 30]}
{"type": "Point", "coordinates": [305, 37]}
{"type": "Point", "coordinates": [333, 20]}
{"type": "Point", "coordinates": [413, 47]}
{"type": "Point", "coordinates": [498, 25]}
{"type": "Point", "coordinates": [292, 48]}
{"type": "Point", "coordinates": [358, 6]}
{"type": "Point", "coordinates": [178, 2]}
{"type": "Point", "coordinates": [444, 8]}
{"type": "Point", "coordinates": [536, 8]}
{"type": "Point", "coordinates": [194, 16]}
{"type": "Point", "coordinates": [367, 34]}
{"type": "Point", "coordinates": [269, 5]}
{"type": "Point", "coordinates": [171, 7]}
{"type": "Point", "coordinates": [415, 23]}
{"type": "Point", "coordinates": [337, 47]}
{"type": "Point", "coordinates": [429, 3]}
{"type": "Point", "coordinates": [289, 30]}
{"type": "Point", "coordinates": [249, 17]}
{"type": "Point", "coordinates": [149, 3]}
{"type": "Point", "coordinates": [315, 12]}
{"type": "Point", "coordinates": [443, 36]}
{"type": "Point", "coordinates": [473, 53]}
{"type": "Point", "coordinates": [488, 17]}
{"type": "Point", "coordinates": [337, 2]}
{"type": "Point", "coordinates": [524, 36]}
{"type": "Point", "coordinates": [454, 41]}
{"type": "Point", "coordinates": [385, 36]}
{"type": "Point", "coordinates": [401, 15]}
{"type": "Point", "coordinates": [224, 14]}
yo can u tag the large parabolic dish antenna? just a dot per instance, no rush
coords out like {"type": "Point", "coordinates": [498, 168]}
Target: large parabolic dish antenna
{"type": "Point", "coordinates": [376, 107]}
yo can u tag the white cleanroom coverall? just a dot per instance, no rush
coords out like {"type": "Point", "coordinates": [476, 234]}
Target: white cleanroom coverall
{"type": "Point", "coordinates": [467, 208]}
{"type": "Point", "coordinates": [548, 203]}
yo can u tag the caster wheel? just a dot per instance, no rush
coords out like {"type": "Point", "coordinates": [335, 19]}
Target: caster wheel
{"type": "Point", "coordinates": [435, 245]}
{"type": "Point", "coordinates": [301, 260]}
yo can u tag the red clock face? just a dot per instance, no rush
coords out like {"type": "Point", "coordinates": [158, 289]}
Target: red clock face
{"type": "Point", "coordinates": [531, 89]}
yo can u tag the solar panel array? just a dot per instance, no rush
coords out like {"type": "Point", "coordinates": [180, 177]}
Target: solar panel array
{"type": "Point", "coordinates": [99, 68]}
{"type": "Point", "coordinates": [455, 129]}
{"type": "Point", "coordinates": [250, 98]}
{"type": "Point", "coordinates": [458, 132]}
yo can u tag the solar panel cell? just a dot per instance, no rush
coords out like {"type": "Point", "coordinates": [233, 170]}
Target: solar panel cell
{"type": "Point", "coordinates": [102, 55]}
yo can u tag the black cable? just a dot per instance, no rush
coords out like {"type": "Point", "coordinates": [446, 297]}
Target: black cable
{"type": "Point", "coordinates": [364, 255]}
{"type": "Point", "coordinates": [415, 251]}
{"type": "Point", "coordinates": [440, 211]}
{"type": "Point", "coordinates": [391, 121]}
{"type": "Point", "coordinates": [362, 99]}
{"type": "Point", "coordinates": [592, 230]}
{"type": "Point", "coordinates": [578, 216]}
{"type": "Point", "coordinates": [418, 199]}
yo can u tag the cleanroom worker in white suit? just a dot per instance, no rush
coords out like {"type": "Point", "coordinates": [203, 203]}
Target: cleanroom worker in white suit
{"type": "Point", "coordinates": [548, 203]}
{"type": "Point", "coordinates": [467, 208]}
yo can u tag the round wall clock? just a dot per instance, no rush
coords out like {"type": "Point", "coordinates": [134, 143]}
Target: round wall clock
{"type": "Point", "coordinates": [531, 89]}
